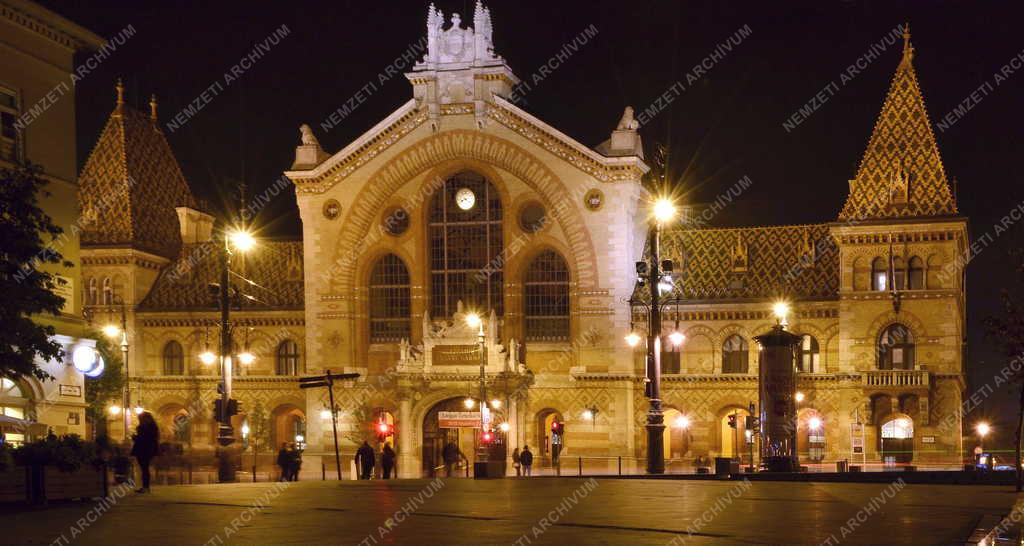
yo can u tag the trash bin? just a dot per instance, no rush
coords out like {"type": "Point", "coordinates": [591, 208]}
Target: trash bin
{"type": "Point", "coordinates": [726, 466]}
{"type": "Point", "coordinates": [843, 466]}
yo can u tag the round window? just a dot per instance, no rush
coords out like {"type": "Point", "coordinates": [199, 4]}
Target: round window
{"type": "Point", "coordinates": [396, 221]}
{"type": "Point", "coordinates": [532, 217]}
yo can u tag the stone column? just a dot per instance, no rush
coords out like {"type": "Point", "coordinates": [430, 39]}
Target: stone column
{"type": "Point", "coordinates": [513, 435]}
{"type": "Point", "coordinates": [407, 467]}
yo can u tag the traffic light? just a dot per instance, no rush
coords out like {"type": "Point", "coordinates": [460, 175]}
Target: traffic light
{"type": "Point", "coordinates": [233, 408]}
{"type": "Point", "coordinates": [732, 420]}
{"type": "Point", "coordinates": [383, 430]}
{"type": "Point", "coordinates": [488, 436]}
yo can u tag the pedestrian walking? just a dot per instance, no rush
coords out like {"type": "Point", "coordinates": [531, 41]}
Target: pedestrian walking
{"type": "Point", "coordinates": [516, 458]}
{"type": "Point", "coordinates": [526, 458]}
{"type": "Point", "coordinates": [451, 456]}
{"type": "Point", "coordinates": [387, 459]}
{"type": "Point", "coordinates": [364, 460]}
{"type": "Point", "coordinates": [284, 462]}
{"type": "Point", "coordinates": [146, 445]}
{"type": "Point", "coordinates": [295, 461]}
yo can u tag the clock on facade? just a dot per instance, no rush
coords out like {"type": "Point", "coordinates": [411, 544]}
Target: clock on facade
{"type": "Point", "coordinates": [465, 198]}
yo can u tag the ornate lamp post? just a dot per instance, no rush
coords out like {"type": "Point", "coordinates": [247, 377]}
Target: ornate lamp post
{"type": "Point", "coordinates": [242, 241]}
{"type": "Point", "coordinates": [657, 276]}
{"type": "Point", "coordinates": [112, 332]}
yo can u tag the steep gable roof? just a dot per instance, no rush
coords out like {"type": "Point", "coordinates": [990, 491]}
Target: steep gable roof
{"type": "Point", "coordinates": [901, 159]}
{"type": "Point", "coordinates": [131, 184]}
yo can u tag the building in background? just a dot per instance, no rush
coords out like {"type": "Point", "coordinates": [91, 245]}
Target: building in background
{"type": "Point", "coordinates": [37, 125]}
{"type": "Point", "coordinates": [460, 201]}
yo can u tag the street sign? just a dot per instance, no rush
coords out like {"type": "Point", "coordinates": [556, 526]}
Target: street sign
{"type": "Point", "coordinates": [458, 419]}
{"type": "Point", "coordinates": [327, 380]}
{"type": "Point", "coordinates": [312, 385]}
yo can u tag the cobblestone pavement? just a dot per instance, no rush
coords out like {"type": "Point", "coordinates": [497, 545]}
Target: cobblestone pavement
{"type": "Point", "coordinates": [565, 511]}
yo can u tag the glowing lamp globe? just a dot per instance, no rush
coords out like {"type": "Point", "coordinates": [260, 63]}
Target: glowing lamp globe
{"type": "Point", "coordinates": [781, 310]}
{"type": "Point", "coordinates": [799, 397]}
{"type": "Point", "coordinates": [111, 331]}
{"type": "Point", "coordinates": [207, 357]}
{"type": "Point", "coordinates": [496, 404]}
{"type": "Point", "coordinates": [632, 339]}
{"type": "Point", "coordinates": [814, 423]}
{"type": "Point", "coordinates": [504, 427]}
{"type": "Point", "coordinates": [242, 240]}
{"type": "Point", "coordinates": [664, 210]}
{"type": "Point", "coordinates": [114, 410]}
{"type": "Point", "coordinates": [473, 320]}
{"type": "Point", "coordinates": [983, 429]}
{"type": "Point", "coordinates": [682, 422]}
{"type": "Point", "coordinates": [468, 403]}
{"type": "Point", "coordinates": [325, 414]}
{"type": "Point", "coordinates": [677, 338]}
{"type": "Point", "coordinates": [247, 358]}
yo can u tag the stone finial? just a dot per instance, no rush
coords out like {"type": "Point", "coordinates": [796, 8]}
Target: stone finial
{"type": "Point", "coordinates": [908, 49]}
{"type": "Point", "coordinates": [119, 88]}
{"type": "Point", "coordinates": [152, 107]}
{"type": "Point", "coordinates": [628, 122]}
{"type": "Point", "coordinates": [625, 140]}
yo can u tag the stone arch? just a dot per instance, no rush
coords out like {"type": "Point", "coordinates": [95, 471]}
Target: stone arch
{"type": "Point", "coordinates": [456, 145]}
{"type": "Point", "coordinates": [904, 317]}
{"type": "Point", "coordinates": [699, 350]}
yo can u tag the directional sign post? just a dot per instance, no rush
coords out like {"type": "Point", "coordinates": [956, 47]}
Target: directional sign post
{"type": "Point", "coordinates": [327, 380]}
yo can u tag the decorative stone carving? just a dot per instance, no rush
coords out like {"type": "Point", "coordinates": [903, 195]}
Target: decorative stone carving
{"type": "Point", "coordinates": [457, 44]}
{"type": "Point", "coordinates": [308, 154]}
{"type": "Point", "coordinates": [738, 256]}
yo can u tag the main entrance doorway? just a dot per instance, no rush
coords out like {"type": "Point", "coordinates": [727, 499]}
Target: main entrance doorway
{"type": "Point", "coordinates": [436, 438]}
{"type": "Point", "coordinates": [898, 440]}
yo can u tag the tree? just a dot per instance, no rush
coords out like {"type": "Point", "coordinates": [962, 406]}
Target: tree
{"type": "Point", "coordinates": [259, 427]}
{"type": "Point", "coordinates": [28, 240]}
{"type": "Point", "coordinates": [99, 391]}
{"type": "Point", "coordinates": [1007, 331]}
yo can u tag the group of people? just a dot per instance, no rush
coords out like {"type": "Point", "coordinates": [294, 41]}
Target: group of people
{"type": "Point", "coordinates": [366, 460]}
{"type": "Point", "coordinates": [289, 459]}
{"type": "Point", "coordinates": [523, 461]}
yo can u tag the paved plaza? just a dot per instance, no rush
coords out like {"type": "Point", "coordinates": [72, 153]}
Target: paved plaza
{"type": "Point", "coordinates": [559, 511]}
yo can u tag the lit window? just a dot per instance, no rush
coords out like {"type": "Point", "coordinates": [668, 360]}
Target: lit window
{"type": "Point", "coordinates": [9, 112]}
{"type": "Point", "coordinates": [879, 275]}
{"type": "Point", "coordinates": [808, 361]}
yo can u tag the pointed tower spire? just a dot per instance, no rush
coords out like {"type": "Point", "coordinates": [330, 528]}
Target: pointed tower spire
{"type": "Point", "coordinates": [902, 148]}
{"type": "Point", "coordinates": [908, 49]}
{"type": "Point", "coordinates": [152, 107]}
{"type": "Point", "coordinates": [119, 87]}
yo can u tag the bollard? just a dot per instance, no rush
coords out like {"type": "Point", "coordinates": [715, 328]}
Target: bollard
{"type": "Point", "coordinates": [253, 473]}
{"type": "Point", "coordinates": [580, 473]}
{"type": "Point", "coordinates": [620, 465]}
{"type": "Point", "coordinates": [190, 473]}
{"type": "Point", "coordinates": [323, 472]}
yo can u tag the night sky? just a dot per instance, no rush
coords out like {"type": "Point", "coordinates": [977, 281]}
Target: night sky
{"type": "Point", "coordinates": [727, 125]}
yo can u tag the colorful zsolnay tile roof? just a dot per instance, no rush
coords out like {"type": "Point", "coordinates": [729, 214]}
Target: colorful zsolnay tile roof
{"type": "Point", "coordinates": [275, 266]}
{"type": "Point", "coordinates": [800, 262]}
{"type": "Point", "coordinates": [901, 151]}
{"type": "Point", "coordinates": [131, 184]}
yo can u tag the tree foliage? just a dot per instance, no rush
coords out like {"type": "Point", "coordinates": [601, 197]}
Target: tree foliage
{"type": "Point", "coordinates": [28, 240]}
{"type": "Point", "coordinates": [109, 386]}
{"type": "Point", "coordinates": [1007, 331]}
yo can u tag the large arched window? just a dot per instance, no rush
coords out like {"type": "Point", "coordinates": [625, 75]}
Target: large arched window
{"type": "Point", "coordinates": [390, 306]}
{"type": "Point", "coordinates": [93, 292]}
{"type": "Point", "coordinates": [896, 348]}
{"type": "Point", "coordinates": [546, 290]}
{"type": "Point", "coordinates": [287, 358]}
{"type": "Point", "coordinates": [809, 361]}
{"type": "Point", "coordinates": [879, 275]}
{"type": "Point", "coordinates": [466, 246]}
{"type": "Point", "coordinates": [915, 274]}
{"type": "Point", "coordinates": [174, 359]}
{"type": "Point", "coordinates": [108, 292]}
{"type": "Point", "coordinates": [735, 354]}
{"type": "Point", "coordinates": [670, 357]}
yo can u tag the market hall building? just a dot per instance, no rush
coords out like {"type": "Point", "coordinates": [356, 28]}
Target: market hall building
{"type": "Point", "coordinates": [461, 202]}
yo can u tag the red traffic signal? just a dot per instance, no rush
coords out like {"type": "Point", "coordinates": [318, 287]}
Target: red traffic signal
{"type": "Point", "coordinates": [732, 420]}
{"type": "Point", "coordinates": [382, 428]}
{"type": "Point", "coordinates": [488, 436]}
{"type": "Point", "coordinates": [555, 426]}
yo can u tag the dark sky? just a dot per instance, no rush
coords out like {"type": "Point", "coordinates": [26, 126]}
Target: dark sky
{"type": "Point", "coordinates": [726, 126]}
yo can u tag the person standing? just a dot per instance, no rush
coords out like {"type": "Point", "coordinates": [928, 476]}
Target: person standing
{"type": "Point", "coordinates": [451, 455]}
{"type": "Point", "coordinates": [145, 446]}
{"type": "Point", "coordinates": [516, 462]}
{"type": "Point", "coordinates": [295, 461]}
{"type": "Point", "coordinates": [284, 462]}
{"type": "Point", "coordinates": [365, 460]}
{"type": "Point", "coordinates": [387, 459]}
{"type": "Point", "coordinates": [526, 458]}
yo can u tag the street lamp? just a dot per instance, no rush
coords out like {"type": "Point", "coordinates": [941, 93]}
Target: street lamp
{"type": "Point", "coordinates": [242, 241]}
{"type": "Point", "coordinates": [781, 311]}
{"type": "Point", "coordinates": [657, 276]}
{"type": "Point", "coordinates": [112, 331]}
{"type": "Point", "coordinates": [681, 422]}
{"type": "Point", "coordinates": [982, 429]}
{"type": "Point", "coordinates": [474, 320]}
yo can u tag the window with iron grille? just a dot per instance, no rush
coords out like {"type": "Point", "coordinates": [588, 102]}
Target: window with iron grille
{"type": "Point", "coordinates": [896, 348]}
{"type": "Point", "coordinates": [810, 355]}
{"type": "Point", "coordinates": [389, 300]}
{"type": "Point", "coordinates": [9, 111]}
{"type": "Point", "coordinates": [546, 288]}
{"type": "Point", "coordinates": [466, 248]}
{"type": "Point", "coordinates": [174, 359]}
{"type": "Point", "coordinates": [288, 358]}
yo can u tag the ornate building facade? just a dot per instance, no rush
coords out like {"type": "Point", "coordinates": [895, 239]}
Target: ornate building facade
{"type": "Point", "coordinates": [461, 202]}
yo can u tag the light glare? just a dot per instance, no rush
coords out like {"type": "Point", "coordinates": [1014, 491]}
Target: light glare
{"type": "Point", "coordinates": [242, 240]}
{"type": "Point", "coordinates": [664, 210]}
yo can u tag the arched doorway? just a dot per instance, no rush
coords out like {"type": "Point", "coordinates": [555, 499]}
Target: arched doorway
{"type": "Point", "coordinates": [288, 424]}
{"type": "Point", "coordinates": [435, 438]}
{"type": "Point", "coordinates": [810, 436]}
{"type": "Point", "coordinates": [897, 439]}
{"type": "Point", "coordinates": [733, 441]}
{"type": "Point", "coordinates": [677, 434]}
{"type": "Point", "coordinates": [550, 438]}
{"type": "Point", "coordinates": [15, 412]}
{"type": "Point", "coordinates": [175, 424]}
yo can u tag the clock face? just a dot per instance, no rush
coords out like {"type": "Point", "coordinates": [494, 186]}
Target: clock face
{"type": "Point", "coordinates": [465, 198]}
